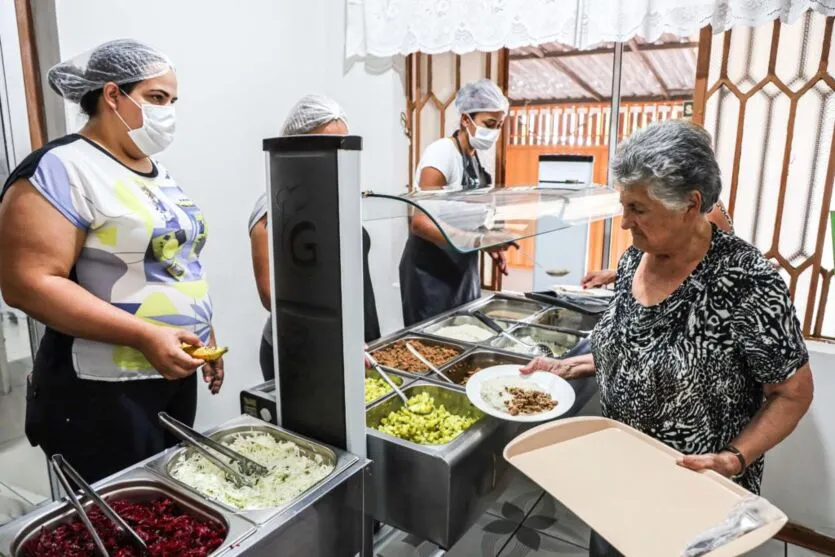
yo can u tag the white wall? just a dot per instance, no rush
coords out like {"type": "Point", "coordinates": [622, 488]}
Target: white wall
{"type": "Point", "coordinates": [241, 66]}
{"type": "Point", "coordinates": [800, 472]}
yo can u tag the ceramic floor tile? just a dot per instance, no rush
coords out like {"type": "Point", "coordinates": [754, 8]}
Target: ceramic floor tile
{"type": "Point", "coordinates": [552, 518]}
{"type": "Point", "coordinates": [795, 551]}
{"type": "Point", "coordinates": [772, 548]}
{"type": "Point", "coordinates": [399, 548]}
{"type": "Point", "coordinates": [24, 466]}
{"type": "Point", "coordinates": [517, 498]}
{"type": "Point", "coordinates": [12, 414]}
{"type": "Point", "coordinates": [16, 334]}
{"type": "Point", "coordinates": [23, 494]}
{"type": "Point", "coordinates": [13, 504]}
{"type": "Point", "coordinates": [527, 542]}
{"type": "Point", "coordinates": [486, 538]}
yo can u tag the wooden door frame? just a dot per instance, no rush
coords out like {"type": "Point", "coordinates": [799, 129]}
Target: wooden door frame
{"type": "Point", "coordinates": [31, 73]}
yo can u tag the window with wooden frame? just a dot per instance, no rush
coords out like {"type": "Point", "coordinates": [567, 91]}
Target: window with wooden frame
{"type": "Point", "coordinates": [766, 95]}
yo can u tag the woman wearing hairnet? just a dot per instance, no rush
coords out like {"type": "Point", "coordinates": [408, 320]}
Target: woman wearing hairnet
{"type": "Point", "coordinates": [102, 245]}
{"type": "Point", "coordinates": [313, 114]}
{"type": "Point", "coordinates": [433, 277]}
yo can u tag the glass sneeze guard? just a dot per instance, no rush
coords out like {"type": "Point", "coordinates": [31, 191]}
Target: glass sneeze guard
{"type": "Point", "coordinates": [476, 219]}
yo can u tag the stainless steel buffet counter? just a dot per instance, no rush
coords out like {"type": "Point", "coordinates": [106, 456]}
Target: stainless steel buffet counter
{"type": "Point", "coordinates": [437, 491]}
{"type": "Point", "coordinates": [325, 519]}
{"type": "Point", "coordinates": [432, 491]}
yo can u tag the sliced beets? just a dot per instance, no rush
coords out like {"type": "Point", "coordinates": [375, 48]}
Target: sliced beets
{"type": "Point", "coordinates": [167, 529]}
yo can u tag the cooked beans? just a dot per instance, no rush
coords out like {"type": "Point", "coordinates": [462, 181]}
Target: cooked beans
{"type": "Point", "coordinates": [397, 356]}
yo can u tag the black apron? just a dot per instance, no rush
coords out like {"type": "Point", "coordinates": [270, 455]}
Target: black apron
{"type": "Point", "coordinates": [372, 322]}
{"type": "Point", "coordinates": [435, 279]}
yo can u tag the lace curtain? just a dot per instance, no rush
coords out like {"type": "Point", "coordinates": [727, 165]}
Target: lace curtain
{"type": "Point", "coordinates": [389, 27]}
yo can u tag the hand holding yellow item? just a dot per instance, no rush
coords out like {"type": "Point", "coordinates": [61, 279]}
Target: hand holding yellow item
{"type": "Point", "coordinates": [205, 353]}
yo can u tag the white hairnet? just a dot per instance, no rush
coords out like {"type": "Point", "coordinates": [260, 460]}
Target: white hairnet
{"type": "Point", "coordinates": [311, 112]}
{"type": "Point", "coordinates": [121, 61]}
{"type": "Point", "coordinates": [480, 96]}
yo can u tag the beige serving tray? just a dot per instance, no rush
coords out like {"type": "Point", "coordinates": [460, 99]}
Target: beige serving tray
{"type": "Point", "coordinates": [628, 487]}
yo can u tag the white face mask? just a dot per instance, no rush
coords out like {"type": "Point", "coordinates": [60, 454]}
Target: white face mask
{"type": "Point", "coordinates": [158, 126]}
{"type": "Point", "coordinates": [484, 138]}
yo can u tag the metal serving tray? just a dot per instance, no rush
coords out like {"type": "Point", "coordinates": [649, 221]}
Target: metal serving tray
{"type": "Point", "coordinates": [459, 319]}
{"type": "Point", "coordinates": [328, 520]}
{"type": "Point", "coordinates": [135, 484]}
{"type": "Point", "coordinates": [539, 334]}
{"type": "Point", "coordinates": [507, 308]}
{"type": "Point", "coordinates": [400, 381]}
{"type": "Point", "coordinates": [479, 359]}
{"type": "Point", "coordinates": [242, 424]}
{"type": "Point", "coordinates": [462, 348]}
{"type": "Point", "coordinates": [567, 319]}
{"type": "Point", "coordinates": [435, 492]}
{"type": "Point", "coordinates": [452, 399]}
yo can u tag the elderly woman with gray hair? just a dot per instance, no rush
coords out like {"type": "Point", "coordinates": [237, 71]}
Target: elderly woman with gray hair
{"type": "Point", "coordinates": [700, 347]}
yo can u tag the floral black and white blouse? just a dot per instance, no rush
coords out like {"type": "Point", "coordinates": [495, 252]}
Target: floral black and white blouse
{"type": "Point", "coordinates": [690, 371]}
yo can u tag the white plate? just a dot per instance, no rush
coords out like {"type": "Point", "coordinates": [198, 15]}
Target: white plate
{"type": "Point", "coordinates": [559, 389]}
{"type": "Point", "coordinates": [580, 291]}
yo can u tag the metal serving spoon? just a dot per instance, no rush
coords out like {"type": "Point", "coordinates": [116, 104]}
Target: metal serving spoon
{"type": "Point", "coordinates": [537, 349]}
{"type": "Point", "coordinates": [413, 408]}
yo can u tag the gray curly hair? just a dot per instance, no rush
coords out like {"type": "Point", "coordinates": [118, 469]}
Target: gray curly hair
{"type": "Point", "coordinates": [672, 158]}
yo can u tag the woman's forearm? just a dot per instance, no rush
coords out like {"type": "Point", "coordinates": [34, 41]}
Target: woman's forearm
{"type": "Point", "coordinates": [423, 227]}
{"type": "Point", "coordinates": [570, 368]}
{"type": "Point", "coordinates": [67, 307]}
{"type": "Point", "coordinates": [783, 409]}
{"type": "Point", "coordinates": [259, 244]}
{"type": "Point", "coordinates": [580, 366]}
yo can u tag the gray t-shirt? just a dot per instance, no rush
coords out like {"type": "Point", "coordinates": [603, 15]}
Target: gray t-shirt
{"type": "Point", "coordinates": [259, 212]}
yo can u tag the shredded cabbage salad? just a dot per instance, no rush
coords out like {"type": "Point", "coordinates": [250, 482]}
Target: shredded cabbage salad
{"type": "Point", "coordinates": [291, 473]}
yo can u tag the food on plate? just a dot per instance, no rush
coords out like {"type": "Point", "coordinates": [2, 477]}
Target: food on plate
{"type": "Point", "coordinates": [375, 387]}
{"type": "Point", "coordinates": [529, 401]}
{"type": "Point", "coordinates": [516, 396]}
{"type": "Point", "coordinates": [205, 353]}
{"type": "Point", "coordinates": [165, 527]}
{"type": "Point", "coordinates": [397, 356]}
{"type": "Point", "coordinates": [437, 427]}
{"type": "Point", "coordinates": [465, 332]}
{"type": "Point", "coordinates": [291, 472]}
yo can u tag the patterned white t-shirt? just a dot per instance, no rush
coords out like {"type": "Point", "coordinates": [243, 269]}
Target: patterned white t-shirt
{"type": "Point", "coordinates": [142, 251]}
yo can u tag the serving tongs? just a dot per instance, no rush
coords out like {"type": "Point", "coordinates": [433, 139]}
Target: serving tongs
{"type": "Point", "coordinates": [537, 349]}
{"type": "Point", "coordinates": [427, 363]}
{"type": "Point", "coordinates": [242, 471]}
{"type": "Point", "coordinates": [413, 408]}
{"type": "Point", "coordinates": [63, 469]}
